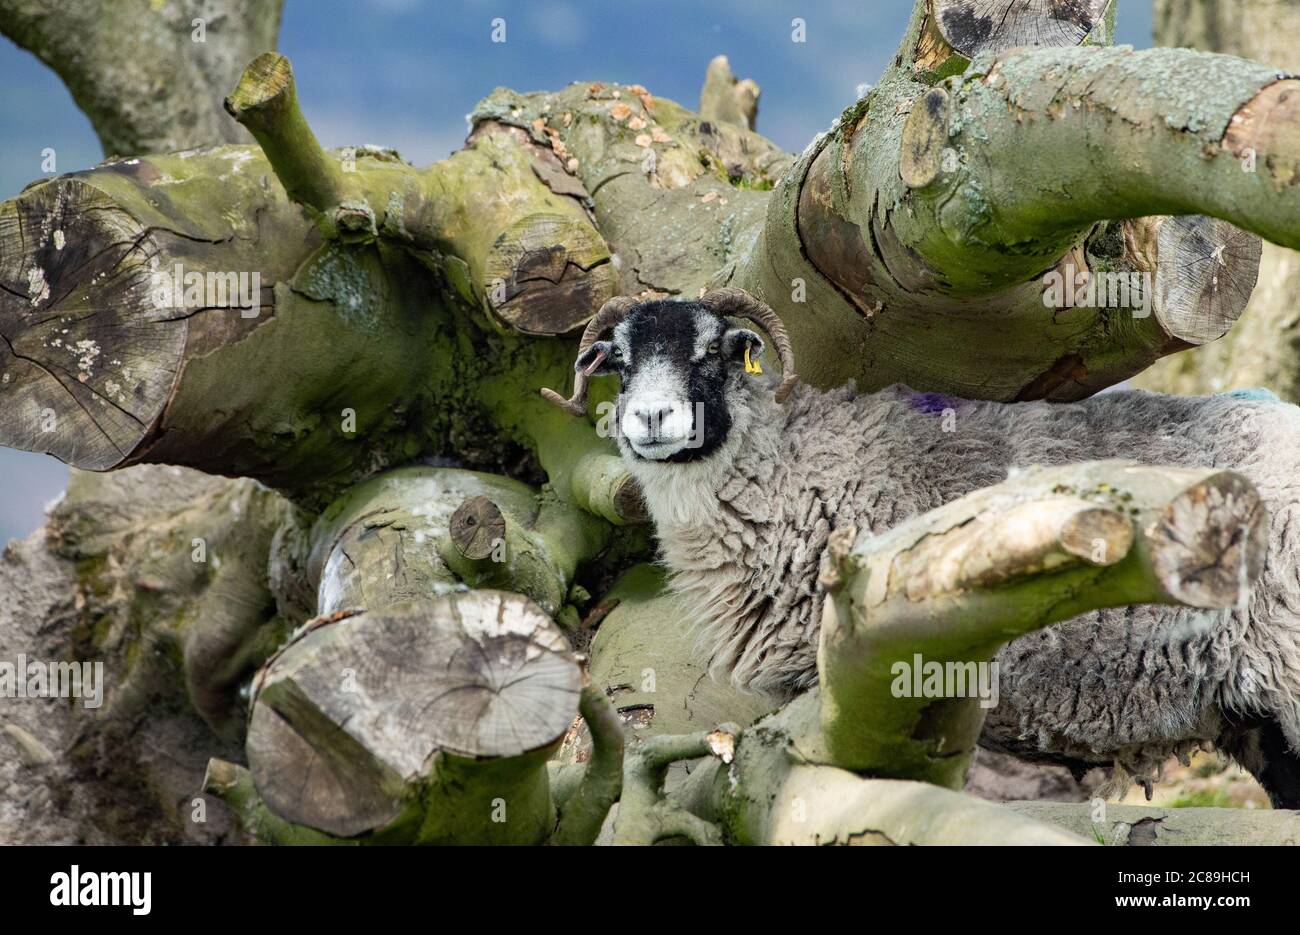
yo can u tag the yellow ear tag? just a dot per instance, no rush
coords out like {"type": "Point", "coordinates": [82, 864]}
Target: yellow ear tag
{"type": "Point", "coordinates": [751, 366]}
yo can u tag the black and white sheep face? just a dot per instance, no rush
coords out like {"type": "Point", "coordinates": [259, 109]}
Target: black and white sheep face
{"type": "Point", "coordinates": [681, 366]}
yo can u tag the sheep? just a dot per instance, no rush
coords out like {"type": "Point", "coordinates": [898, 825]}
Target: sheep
{"type": "Point", "coordinates": [745, 481]}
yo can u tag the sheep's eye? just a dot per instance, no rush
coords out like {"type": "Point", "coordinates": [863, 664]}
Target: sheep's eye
{"type": "Point", "coordinates": [713, 348]}
{"type": "Point", "coordinates": [616, 353]}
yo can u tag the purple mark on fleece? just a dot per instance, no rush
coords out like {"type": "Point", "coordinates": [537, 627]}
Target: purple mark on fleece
{"type": "Point", "coordinates": [934, 403]}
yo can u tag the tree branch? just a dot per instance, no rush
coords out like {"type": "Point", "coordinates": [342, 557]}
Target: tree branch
{"type": "Point", "coordinates": [1162, 154]}
{"type": "Point", "coordinates": [266, 102]}
{"type": "Point", "coordinates": [950, 587]}
{"type": "Point", "coordinates": [645, 814]}
{"type": "Point", "coordinates": [923, 226]}
{"type": "Point", "coordinates": [147, 75]}
{"type": "Point", "coordinates": [583, 811]}
{"type": "Point", "coordinates": [726, 99]}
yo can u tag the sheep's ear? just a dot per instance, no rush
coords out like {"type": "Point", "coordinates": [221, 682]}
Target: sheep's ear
{"type": "Point", "coordinates": [596, 360]}
{"type": "Point", "coordinates": [738, 340]}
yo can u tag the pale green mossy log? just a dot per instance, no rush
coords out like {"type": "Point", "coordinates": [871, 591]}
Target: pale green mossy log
{"type": "Point", "coordinates": [1143, 826]}
{"type": "Point", "coordinates": [534, 258]}
{"type": "Point", "coordinates": [353, 357]}
{"type": "Point", "coordinates": [1264, 348]}
{"type": "Point", "coordinates": [644, 655]}
{"type": "Point", "coordinates": [761, 786]}
{"type": "Point", "coordinates": [149, 79]}
{"type": "Point", "coordinates": [767, 793]}
{"type": "Point", "coordinates": [396, 537]}
{"type": "Point", "coordinates": [1175, 122]}
{"type": "Point", "coordinates": [677, 196]}
{"type": "Point", "coordinates": [426, 722]}
{"type": "Point", "coordinates": [174, 570]}
{"type": "Point", "coordinates": [954, 585]}
{"type": "Point", "coordinates": [726, 99]}
{"type": "Point", "coordinates": [533, 548]}
{"type": "Point", "coordinates": [912, 244]}
{"type": "Point", "coordinates": [822, 805]}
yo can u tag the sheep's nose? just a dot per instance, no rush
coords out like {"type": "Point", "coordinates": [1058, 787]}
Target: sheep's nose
{"type": "Point", "coordinates": [652, 416]}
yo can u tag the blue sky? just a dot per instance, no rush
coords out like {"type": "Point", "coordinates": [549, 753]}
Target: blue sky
{"type": "Point", "coordinates": [404, 73]}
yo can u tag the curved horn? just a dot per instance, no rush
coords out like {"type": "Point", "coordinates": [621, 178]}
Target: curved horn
{"type": "Point", "coordinates": [737, 302]}
{"type": "Point", "coordinates": [610, 314]}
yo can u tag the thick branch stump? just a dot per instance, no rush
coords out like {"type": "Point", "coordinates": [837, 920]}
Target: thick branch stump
{"type": "Point", "coordinates": [416, 721]}
{"type": "Point", "coordinates": [404, 535]}
{"type": "Point", "coordinates": [726, 99]}
{"type": "Point", "coordinates": [952, 586]}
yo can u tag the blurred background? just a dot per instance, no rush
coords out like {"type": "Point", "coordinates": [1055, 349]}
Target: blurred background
{"type": "Point", "coordinates": [404, 73]}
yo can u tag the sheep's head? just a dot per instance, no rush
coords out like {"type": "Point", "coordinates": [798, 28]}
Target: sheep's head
{"type": "Point", "coordinates": [683, 367]}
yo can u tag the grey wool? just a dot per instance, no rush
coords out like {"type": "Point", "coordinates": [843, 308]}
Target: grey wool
{"type": "Point", "coordinates": [743, 531]}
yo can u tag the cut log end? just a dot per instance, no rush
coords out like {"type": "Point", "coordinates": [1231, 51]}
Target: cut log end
{"type": "Point", "coordinates": [629, 503]}
{"type": "Point", "coordinates": [975, 26]}
{"type": "Point", "coordinates": [88, 352]}
{"type": "Point", "coordinates": [476, 528]}
{"type": "Point", "coordinates": [348, 719]}
{"type": "Point", "coordinates": [1208, 544]}
{"type": "Point", "coordinates": [1205, 272]}
{"type": "Point", "coordinates": [547, 274]}
{"type": "Point", "coordinates": [1264, 134]}
{"type": "Point", "coordinates": [267, 79]}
